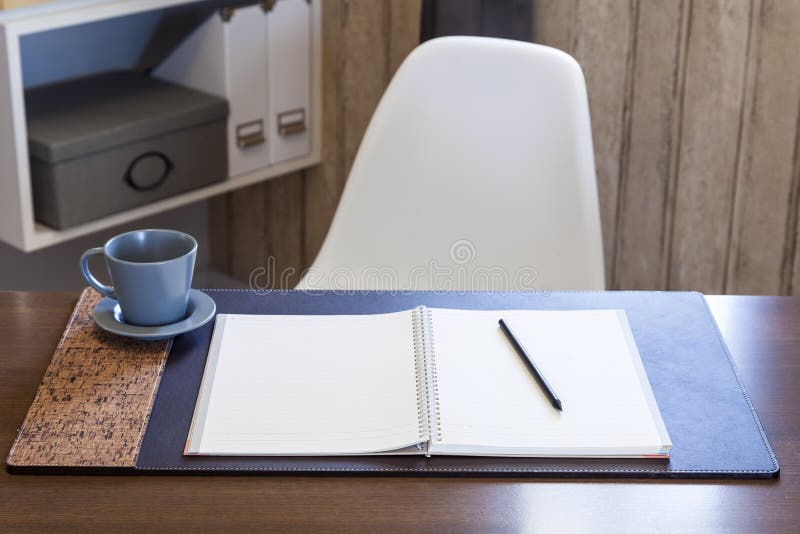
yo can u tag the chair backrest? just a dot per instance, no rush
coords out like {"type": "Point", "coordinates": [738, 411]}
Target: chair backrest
{"type": "Point", "coordinates": [476, 172]}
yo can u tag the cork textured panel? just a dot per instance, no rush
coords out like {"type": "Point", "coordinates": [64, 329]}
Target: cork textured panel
{"type": "Point", "coordinates": [92, 407]}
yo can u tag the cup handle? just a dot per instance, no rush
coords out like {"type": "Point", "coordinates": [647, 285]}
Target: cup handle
{"type": "Point", "coordinates": [108, 291]}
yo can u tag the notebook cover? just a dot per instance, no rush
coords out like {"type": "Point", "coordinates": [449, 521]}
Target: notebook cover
{"type": "Point", "coordinates": [711, 421]}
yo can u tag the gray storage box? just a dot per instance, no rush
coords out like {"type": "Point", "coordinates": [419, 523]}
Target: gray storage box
{"type": "Point", "coordinates": [114, 141]}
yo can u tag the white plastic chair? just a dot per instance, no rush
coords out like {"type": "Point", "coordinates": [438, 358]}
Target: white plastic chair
{"type": "Point", "coordinates": [476, 172]}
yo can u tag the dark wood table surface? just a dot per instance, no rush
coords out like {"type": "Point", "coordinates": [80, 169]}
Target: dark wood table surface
{"type": "Point", "coordinates": [763, 334]}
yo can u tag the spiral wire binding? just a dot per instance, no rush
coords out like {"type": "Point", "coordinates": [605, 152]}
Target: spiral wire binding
{"type": "Point", "coordinates": [420, 365]}
{"type": "Point", "coordinates": [427, 383]}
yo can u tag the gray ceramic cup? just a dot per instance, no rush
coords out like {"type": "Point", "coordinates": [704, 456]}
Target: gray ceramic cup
{"type": "Point", "coordinates": [151, 272]}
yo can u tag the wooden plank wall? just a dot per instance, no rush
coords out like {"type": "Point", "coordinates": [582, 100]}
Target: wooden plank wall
{"type": "Point", "coordinates": [280, 224]}
{"type": "Point", "coordinates": [695, 107]}
{"type": "Point", "coordinates": [695, 114]}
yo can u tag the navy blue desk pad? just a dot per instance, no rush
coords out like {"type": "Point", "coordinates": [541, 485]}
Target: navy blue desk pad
{"type": "Point", "coordinates": [714, 428]}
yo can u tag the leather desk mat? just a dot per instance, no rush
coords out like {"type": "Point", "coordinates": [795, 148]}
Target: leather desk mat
{"type": "Point", "coordinates": [95, 399]}
{"type": "Point", "coordinates": [714, 428]}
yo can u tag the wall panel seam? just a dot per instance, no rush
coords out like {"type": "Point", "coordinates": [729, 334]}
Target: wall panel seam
{"type": "Point", "coordinates": [573, 30]}
{"type": "Point", "coordinates": [676, 159]}
{"type": "Point", "coordinates": [387, 31]}
{"type": "Point", "coordinates": [341, 175]}
{"type": "Point", "coordinates": [789, 267]}
{"type": "Point", "coordinates": [730, 248]}
{"type": "Point", "coordinates": [627, 117]}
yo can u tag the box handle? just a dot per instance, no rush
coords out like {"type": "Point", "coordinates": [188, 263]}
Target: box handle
{"type": "Point", "coordinates": [250, 133]}
{"type": "Point", "coordinates": [292, 121]}
{"type": "Point", "coordinates": [148, 171]}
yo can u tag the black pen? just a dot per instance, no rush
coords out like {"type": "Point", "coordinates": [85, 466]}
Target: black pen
{"type": "Point", "coordinates": [528, 361]}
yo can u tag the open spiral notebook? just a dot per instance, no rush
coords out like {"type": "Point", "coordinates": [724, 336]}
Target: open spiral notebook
{"type": "Point", "coordinates": [425, 381]}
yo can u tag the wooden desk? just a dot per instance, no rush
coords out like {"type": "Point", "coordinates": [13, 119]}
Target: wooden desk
{"type": "Point", "coordinates": [763, 334]}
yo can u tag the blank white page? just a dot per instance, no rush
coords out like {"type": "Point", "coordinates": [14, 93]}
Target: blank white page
{"type": "Point", "coordinates": [491, 404]}
{"type": "Point", "coordinates": [308, 385]}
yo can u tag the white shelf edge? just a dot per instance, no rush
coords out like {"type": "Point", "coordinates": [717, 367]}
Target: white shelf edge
{"type": "Point", "coordinates": [44, 236]}
{"type": "Point", "coordinates": [63, 14]}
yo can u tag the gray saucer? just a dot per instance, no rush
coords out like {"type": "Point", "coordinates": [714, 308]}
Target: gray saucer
{"type": "Point", "coordinates": [201, 309]}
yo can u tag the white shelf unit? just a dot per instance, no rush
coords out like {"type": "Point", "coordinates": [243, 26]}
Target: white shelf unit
{"type": "Point", "coordinates": [17, 225]}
